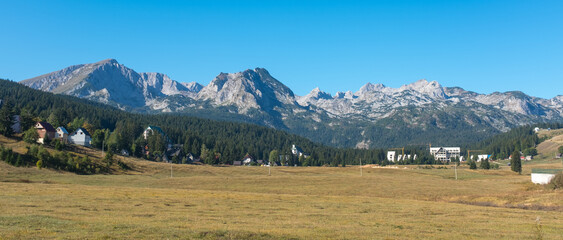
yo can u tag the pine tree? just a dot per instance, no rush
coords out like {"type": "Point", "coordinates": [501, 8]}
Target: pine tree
{"type": "Point", "coordinates": [515, 162]}
{"type": "Point", "coordinates": [6, 122]}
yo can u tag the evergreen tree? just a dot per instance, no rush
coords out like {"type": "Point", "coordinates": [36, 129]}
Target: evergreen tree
{"type": "Point", "coordinates": [485, 164]}
{"type": "Point", "coordinates": [472, 164]}
{"type": "Point", "coordinates": [515, 162]}
{"type": "Point", "coordinates": [6, 121]}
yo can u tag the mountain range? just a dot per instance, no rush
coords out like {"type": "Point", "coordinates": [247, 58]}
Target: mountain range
{"type": "Point", "coordinates": [419, 113]}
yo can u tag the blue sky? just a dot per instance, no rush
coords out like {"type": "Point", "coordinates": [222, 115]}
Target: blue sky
{"type": "Point", "coordinates": [482, 46]}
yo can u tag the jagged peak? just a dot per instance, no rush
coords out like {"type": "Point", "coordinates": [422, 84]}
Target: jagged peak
{"type": "Point", "coordinates": [109, 60]}
{"type": "Point", "coordinates": [192, 86]}
{"type": "Point", "coordinates": [318, 94]}
{"type": "Point", "coordinates": [370, 87]}
{"type": "Point", "coordinates": [422, 83]}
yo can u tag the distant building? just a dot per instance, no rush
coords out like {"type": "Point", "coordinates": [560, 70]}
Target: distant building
{"type": "Point", "coordinates": [482, 157]}
{"type": "Point", "coordinates": [237, 163]}
{"type": "Point", "coordinates": [45, 131]}
{"type": "Point", "coordinates": [124, 152]}
{"type": "Point", "coordinates": [80, 137]}
{"type": "Point", "coordinates": [543, 176]}
{"type": "Point", "coordinates": [152, 129]}
{"type": "Point", "coordinates": [296, 150]}
{"type": "Point", "coordinates": [247, 160]}
{"type": "Point", "coordinates": [536, 129]}
{"type": "Point", "coordinates": [445, 154]}
{"type": "Point", "coordinates": [62, 134]}
{"type": "Point", "coordinates": [529, 157]}
{"type": "Point", "coordinates": [391, 156]}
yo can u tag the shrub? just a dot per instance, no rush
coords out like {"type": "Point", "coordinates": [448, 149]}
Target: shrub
{"type": "Point", "coordinates": [472, 165]}
{"type": "Point", "coordinates": [39, 164]}
{"type": "Point", "coordinates": [557, 181]}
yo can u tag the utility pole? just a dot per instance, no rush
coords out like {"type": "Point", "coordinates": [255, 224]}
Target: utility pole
{"type": "Point", "coordinates": [103, 143]}
{"type": "Point", "coordinates": [361, 170]}
{"type": "Point", "coordinates": [270, 169]}
{"type": "Point", "coordinates": [455, 168]}
{"type": "Point", "coordinates": [170, 168]}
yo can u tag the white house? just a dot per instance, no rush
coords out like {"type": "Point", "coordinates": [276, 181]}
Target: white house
{"type": "Point", "coordinates": [536, 129]}
{"type": "Point", "coordinates": [80, 137]}
{"type": "Point", "coordinates": [62, 134]}
{"type": "Point", "coordinates": [543, 176]}
{"type": "Point", "coordinates": [247, 160]}
{"type": "Point", "coordinates": [152, 129]}
{"type": "Point", "coordinates": [482, 157]}
{"type": "Point", "coordinates": [391, 156]}
{"type": "Point", "coordinates": [296, 150]}
{"type": "Point", "coordinates": [445, 153]}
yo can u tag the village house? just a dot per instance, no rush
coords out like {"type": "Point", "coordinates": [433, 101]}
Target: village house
{"type": "Point", "coordinates": [45, 131]}
{"type": "Point", "coordinates": [62, 134]}
{"type": "Point", "coordinates": [152, 129]}
{"type": "Point", "coordinates": [247, 160]}
{"type": "Point", "coordinates": [80, 137]}
{"type": "Point", "coordinates": [481, 157]}
{"type": "Point", "coordinates": [296, 150]}
{"type": "Point", "coordinates": [445, 154]}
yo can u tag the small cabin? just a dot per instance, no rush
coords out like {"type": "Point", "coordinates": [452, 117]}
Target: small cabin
{"type": "Point", "coordinates": [247, 160]}
{"type": "Point", "coordinates": [62, 134]}
{"type": "Point", "coordinates": [80, 137]}
{"type": "Point", "coordinates": [45, 131]}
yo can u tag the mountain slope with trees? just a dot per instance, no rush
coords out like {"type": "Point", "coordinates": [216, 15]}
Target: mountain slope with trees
{"type": "Point", "coordinates": [226, 141]}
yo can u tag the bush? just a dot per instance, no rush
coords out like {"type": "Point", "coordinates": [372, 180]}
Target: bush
{"type": "Point", "coordinates": [557, 181]}
{"type": "Point", "coordinates": [472, 164]}
{"type": "Point", "coordinates": [30, 135]}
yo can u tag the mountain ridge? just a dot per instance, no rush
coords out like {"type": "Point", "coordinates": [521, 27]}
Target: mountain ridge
{"type": "Point", "coordinates": [350, 117]}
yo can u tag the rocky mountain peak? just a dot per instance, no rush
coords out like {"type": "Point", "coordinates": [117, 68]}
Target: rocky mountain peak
{"type": "Point", "coordinates": [432, 89]}
{"type": "Point", "coordinates": [192, 86]}
{"type": "Point", "coordinates": [315, 95]}
{"type": "Point", "coordinates": [252, 88]}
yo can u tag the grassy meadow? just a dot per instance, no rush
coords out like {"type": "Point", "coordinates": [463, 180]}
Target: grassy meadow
{"type": "Point", "coordinates": [206, 202]}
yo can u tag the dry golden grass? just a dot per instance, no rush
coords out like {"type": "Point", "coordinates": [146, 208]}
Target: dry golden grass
{"type": "Point", "coordinates": [205, 202]}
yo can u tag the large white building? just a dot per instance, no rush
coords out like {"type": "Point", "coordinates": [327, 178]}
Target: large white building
{"type": "Point", "coordinates": [445, 153]}
{"type": "Point", "coordinates": [391, 156]}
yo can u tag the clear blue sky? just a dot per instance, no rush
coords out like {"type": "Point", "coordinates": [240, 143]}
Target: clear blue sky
{"type": "Point", "coordinates": [482, 46]}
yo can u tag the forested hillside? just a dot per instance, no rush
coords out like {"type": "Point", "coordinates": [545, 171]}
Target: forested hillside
{"type": "Point", "coordinates": [225, 141]}
{"type": "Point", "coordinates": [522, 139]}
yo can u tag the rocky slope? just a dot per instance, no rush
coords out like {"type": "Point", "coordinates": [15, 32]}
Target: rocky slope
{"type": "Point", "coordinates": [375, 115]}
